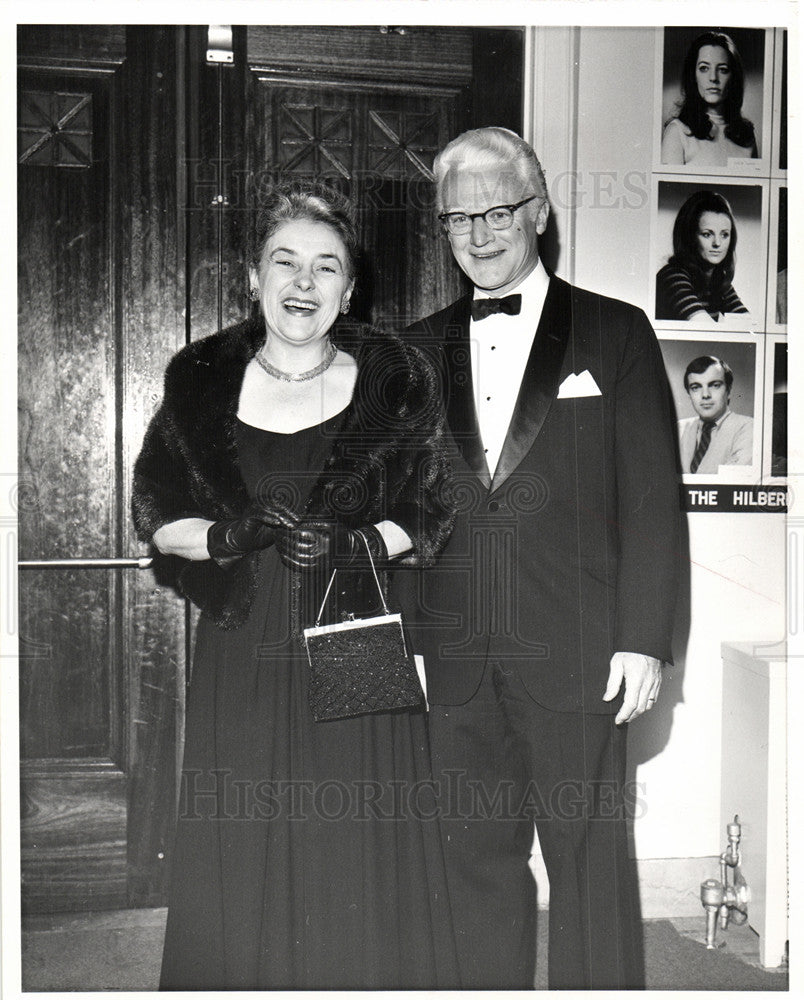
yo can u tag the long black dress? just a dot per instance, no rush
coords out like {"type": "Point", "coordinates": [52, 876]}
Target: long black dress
{"type": "Point", "coordinates": [304, 857]}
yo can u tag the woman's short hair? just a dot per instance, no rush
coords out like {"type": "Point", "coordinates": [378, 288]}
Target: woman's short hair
{"type": "Point", "coordinates": [699, 365]}
{"type": "Point", "coordinates": [313, 201]}
{"type": "Point", "coordinates": [693, 109]}
{"type": "Point", "coordinates": [482, 148]}
{"type": "Point", "coordinates": [686, 252]}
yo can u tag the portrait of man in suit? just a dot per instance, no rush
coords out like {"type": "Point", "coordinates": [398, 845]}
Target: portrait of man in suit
{"type": "Point", "coordinates": [716, 435]}
{"type": "Point", "coordinates": [545, 623]}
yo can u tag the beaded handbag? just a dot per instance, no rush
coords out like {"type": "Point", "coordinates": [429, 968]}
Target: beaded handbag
{"type": "Point", "coordinates": [361, 665]}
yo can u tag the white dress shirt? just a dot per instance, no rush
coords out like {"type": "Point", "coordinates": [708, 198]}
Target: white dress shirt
{"type": "Point", "coordinates": [500, 346]}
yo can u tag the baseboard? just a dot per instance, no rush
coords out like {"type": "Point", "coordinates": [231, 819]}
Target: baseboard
{"type": "Point", "coordinates": [671, 887]}
{"type": "Point", "coordinates": [101, 920]}
{"type": "Point", "coordinates": [668, 887]}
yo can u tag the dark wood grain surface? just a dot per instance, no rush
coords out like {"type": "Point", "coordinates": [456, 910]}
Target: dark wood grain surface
{"type": "Point", "coordinates": [153, 327]}
{"type": "Point", "coordinates": [416, 53]}
{"type": "Point", "coordinates": [73, 839]}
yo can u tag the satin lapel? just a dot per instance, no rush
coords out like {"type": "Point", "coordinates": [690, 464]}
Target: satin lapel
{"type": "Point", "coordinates": [541, 379]}
{"type": "Point", "coordinates": [461, 413]}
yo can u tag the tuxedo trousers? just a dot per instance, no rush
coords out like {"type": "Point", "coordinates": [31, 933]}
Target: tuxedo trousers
{"type": "Point", "coordinates": [504, 763]}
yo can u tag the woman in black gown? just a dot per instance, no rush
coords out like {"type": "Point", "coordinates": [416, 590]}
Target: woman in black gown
{"type": "Point", "coordinates": [306, 853]}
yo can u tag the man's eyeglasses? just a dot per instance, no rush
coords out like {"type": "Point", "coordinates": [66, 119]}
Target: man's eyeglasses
{"type": "Point", "coordinates": [498, 217]}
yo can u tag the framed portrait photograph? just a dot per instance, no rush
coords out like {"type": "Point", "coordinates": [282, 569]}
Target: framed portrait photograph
{"type": "Point", "coordinates": [709, 260]}
{"type": "Point", "coordinates": [717, 391]}
{"type": "Point", "coordinates": [777, 259]}
{"type": "Point", "coordinates": [774, 438]}
{"type": "Point", "coordinates": [779, 165]}
{"type": "Point", "coordinates": [713, 97]}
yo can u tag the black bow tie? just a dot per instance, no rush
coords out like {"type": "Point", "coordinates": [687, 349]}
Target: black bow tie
{"type": "Point", "coordinates": [510, 305]}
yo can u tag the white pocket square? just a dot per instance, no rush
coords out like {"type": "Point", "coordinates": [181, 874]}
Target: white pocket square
{"type": "Point", "coordinates": [578, 385]}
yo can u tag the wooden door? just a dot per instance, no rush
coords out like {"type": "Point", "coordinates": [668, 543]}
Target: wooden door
{"type": "Point", "coordinates": [101, 290]}
{"type": "Point", "coordinates": [140, 166]}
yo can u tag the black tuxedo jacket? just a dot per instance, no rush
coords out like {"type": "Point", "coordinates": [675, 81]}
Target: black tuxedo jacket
{"type": "Point", "coordinates": [568, 553]}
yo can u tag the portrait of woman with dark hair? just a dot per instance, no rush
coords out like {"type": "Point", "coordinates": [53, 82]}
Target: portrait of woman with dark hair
{"type": "Point", "coordinates": [695, 285]}
{"type": "Point", "coordinates": [709, 128]}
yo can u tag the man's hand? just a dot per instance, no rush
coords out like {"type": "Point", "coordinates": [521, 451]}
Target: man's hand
{"type": "Point", "coordinates": [643, 678]}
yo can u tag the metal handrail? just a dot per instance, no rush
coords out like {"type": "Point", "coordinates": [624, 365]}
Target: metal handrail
{"type": "Point", "coordinates": [143, 562]}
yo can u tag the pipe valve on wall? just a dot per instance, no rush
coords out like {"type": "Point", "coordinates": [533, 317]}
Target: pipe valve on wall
{"type": "Point", "coordinates": [728, 898]}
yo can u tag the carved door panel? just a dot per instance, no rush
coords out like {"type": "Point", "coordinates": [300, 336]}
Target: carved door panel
{"type": "Point", "coordinates": [101, 649]}
{"type": "Point", "coordinates": [379, 146]}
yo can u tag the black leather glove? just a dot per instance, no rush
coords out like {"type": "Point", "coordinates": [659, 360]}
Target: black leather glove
{"type": "Point", "coordinates": [228, 541]}
{"type": "Point", "coordinates": [316, 545]}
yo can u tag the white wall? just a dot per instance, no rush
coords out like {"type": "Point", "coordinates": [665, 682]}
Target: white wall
{"type": "Point", "coordinates": [602, 81]}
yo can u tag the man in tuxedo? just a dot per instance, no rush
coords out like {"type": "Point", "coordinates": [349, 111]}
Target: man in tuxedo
{"type": "Point", "coordinates": [545, 623]}
{"type": "Point", "coordinates": [716, 435]}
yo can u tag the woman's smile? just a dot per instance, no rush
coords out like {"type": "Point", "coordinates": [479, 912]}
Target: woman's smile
{"type": "Point", "coordinates": [298, 307]}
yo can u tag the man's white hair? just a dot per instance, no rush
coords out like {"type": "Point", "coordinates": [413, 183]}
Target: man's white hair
{"type": "Point", "coordinates": [490, 147]}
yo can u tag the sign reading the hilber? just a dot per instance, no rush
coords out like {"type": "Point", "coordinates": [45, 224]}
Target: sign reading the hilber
{"type": "Point", "coordinates": [739, 498]}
